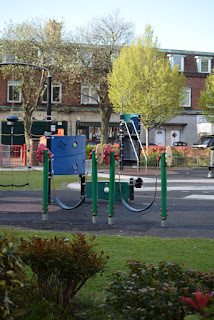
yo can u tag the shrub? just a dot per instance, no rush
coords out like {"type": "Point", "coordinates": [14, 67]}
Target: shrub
{"type": "Point", "coordinates": [61, 267]}
{"type": "Point", "coordinates": [88, 149]}
{"type": "Point", "coordinates": [11, 275]}
{"type": "Point", "coordinates": [203, 304]}
{"type": "Point", "coordinates": [153, 292]}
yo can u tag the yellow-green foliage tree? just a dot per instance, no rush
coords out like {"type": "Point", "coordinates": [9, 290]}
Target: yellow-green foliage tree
{"type": "Point", "coordinates": [207, 99]}
{"type": "Point", "coordinates": [143, 82]}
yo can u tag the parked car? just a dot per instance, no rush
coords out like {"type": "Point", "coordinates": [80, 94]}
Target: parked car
{"type": "Point", "coordinates": [180, 143]}
{"type": "Point", "coordinates": [205, 142]}
{"type": "Point", "coordinates": [92, 142]}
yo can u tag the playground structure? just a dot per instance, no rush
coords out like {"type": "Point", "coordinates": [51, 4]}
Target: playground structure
{"type": "Point", "coordinates": [130, 143]}
{"type": "Point", "coordinates": [75, 165]}
{"type": "Point", "coordinates": [61, 162]}
{"type": "Point", "coordinates": [67, 156]}
{"type": "Point", "coordinates": [108, 154]}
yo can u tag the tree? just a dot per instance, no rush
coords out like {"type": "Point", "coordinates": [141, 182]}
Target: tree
{"type": "Point", "coordinates": [99, 43]}
{"type": "Point", "coordinates": [39, 43]}
{"type": "Point", "coordinates": [206, 102]}
{"type": "Point", "coordinates": [143, 82]}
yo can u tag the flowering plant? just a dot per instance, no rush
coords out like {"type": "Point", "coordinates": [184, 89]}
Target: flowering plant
{"type": "Point", "coordinates": [200, 303]}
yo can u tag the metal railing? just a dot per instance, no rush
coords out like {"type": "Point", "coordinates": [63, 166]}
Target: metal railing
{"type": "Point", "coordinates": [180, 161]}
{"type": "Point", "coordinates": [133, 147]}
{"type": "Point", "coordinates": [12, 155]}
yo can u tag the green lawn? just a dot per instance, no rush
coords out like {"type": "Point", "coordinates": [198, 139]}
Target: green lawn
{"type": "Point", "coordinates": [33, 177]}
{"type": "Point", "coordinates": [196, 254]}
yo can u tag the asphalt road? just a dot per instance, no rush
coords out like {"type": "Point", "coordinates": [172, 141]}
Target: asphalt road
{"type": "Point", "coordinates": [190, 202]}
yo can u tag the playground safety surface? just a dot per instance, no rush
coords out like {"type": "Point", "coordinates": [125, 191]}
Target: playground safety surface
{"type": "Point", "coordinates": [187, 219]}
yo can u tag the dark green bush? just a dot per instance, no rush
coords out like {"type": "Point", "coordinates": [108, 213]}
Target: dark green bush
{"type": "Point", "coordinates": [153, 292]}
{"type": "Point", "coordinates": [34, 306]}
{"type": "Point", "coordinates": [11, 275]}
{"type": "Point", "coordinates": [88, 149]}
{"type": "Point", "coordinates": [61, 267]}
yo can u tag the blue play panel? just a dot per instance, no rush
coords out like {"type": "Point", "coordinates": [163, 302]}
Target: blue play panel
{"type": "Point", "coordinates": [68, 154]}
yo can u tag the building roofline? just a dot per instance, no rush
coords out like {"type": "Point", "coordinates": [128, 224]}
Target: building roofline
{"type": "Point", "coordinates": [187, 51]}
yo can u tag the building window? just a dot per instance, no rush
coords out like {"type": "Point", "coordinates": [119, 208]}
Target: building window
{"type": "Point", "coordinates": [201, 119]}
{"type": "Point", "coordinates": [89, 95]}
{"type": "Point", "coordinates": [56, 94]}
{"type": "Point", "coordinates": [9, 58]}
{"type": "Point", "coordinates": [186, 102]}
{"type": "Point", "coordinates": [176, 60]}
{"type": "Point", "coordinates": [204, 64]}
{"type": "Point", "coordinates": [13, 92]}
{"type": "Point", "coordinates": [85, 58]}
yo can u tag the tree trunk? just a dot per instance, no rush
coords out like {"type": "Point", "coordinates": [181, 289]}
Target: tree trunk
{"type": "Point", "coordinates": [105, 117]}
{"type": "Point", "coordinates": [27, 130]}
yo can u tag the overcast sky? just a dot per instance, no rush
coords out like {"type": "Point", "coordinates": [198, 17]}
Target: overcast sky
{"type": "Point", "coordinates": [183, 24]}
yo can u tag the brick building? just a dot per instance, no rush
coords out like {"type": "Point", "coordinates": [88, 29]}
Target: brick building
{"type": "Point", "coordinates": [80, 114]}
{"type": "Point", "coordinates": [190, 125]}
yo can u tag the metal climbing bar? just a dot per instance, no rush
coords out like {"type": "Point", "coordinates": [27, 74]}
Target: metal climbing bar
{"type": "Point", "coordinates": [135, 152]}
{"type": "Point", "coordinates": [138, 138]}
{"type": "Point", "coordinates": [164, 209]}
{"type": "Point", "coordinates": [45, 186]}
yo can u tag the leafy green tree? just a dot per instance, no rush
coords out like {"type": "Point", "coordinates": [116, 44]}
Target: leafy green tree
{"type": "Point", "coordinates": [206, 102]}
{"type": "Point", "coordinates": [39, 43]}
{"type": "Point", "coordinates": [98, 45]}
{"type": "Point", "coordinates": [143, 82]}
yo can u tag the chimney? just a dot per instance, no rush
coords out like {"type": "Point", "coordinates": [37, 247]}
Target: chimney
{"type": "Point", "coordinates": [53, 31]}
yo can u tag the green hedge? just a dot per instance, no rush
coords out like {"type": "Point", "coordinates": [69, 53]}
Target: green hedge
{"type": "Point", "coordinates": [153, 292]}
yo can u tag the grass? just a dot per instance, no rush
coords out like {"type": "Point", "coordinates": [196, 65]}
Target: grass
{"type": "Point", "coordinates": [34, 177]}
{"type": "Point", "coordinates": [194, 253]}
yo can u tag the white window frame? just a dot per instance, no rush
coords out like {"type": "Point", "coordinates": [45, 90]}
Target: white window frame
{"type": "Point", "coordinates": [199, 61]}
{"type": "Point", "coordinates": [17, 85]}
{"type": "Point", "coordinates": [54, 85]}
{"type": "Point", "coordinates": [89, 97]}
{"type": "Point", "coordinates": [188, 91]}
{"type": "Point", "coordinates": [172, 61]}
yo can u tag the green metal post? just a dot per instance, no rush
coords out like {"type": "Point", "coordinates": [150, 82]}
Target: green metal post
{"type": "Point", "coordinates": [45, 186]}
{"type": "Point", "coordinates": [111, 210]}
{"type": "Point", "coordinates": [94, 188]}
{"type": "Point", "coordinates": [164, 209]}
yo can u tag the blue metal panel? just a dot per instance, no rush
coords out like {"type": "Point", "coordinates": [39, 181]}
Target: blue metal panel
{"type": "Point", "coordinates": [134, 117]}
{"type": "Point", "coordinates": [68, 154]}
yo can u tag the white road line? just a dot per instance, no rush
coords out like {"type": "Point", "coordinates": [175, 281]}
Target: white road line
{"type": "Point", "coordinates": [199, 197]}
{"type": "Point", "coordinates": [180, 188]}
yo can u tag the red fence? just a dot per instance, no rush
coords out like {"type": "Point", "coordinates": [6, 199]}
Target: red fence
{"type": "Point", "coordinates": [12, 155]}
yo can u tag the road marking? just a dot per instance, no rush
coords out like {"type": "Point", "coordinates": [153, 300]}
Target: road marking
{"type": "Point", "coordinates": [199, 197]}
{"type": "Point", "coordinates": [180, 188]}
{"type": "Point", "coordinates": [76, 186]}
